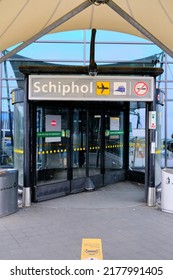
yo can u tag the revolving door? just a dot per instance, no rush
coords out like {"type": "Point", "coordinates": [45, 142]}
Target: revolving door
{"type": "Point", "coordinates": [74, 143]}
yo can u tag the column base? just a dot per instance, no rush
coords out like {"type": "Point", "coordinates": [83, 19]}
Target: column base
{"type": "Point", "coordinates": [151, 201]}
{"type": "Point", "coordinates": [26, 197]}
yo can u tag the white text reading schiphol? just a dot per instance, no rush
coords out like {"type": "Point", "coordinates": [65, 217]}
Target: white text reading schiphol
{"type": "Point", "coordinates": [59, 87]}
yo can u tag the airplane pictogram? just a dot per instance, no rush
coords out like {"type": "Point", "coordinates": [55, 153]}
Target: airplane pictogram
{"type": "Point", "coordinates": [102, 87]}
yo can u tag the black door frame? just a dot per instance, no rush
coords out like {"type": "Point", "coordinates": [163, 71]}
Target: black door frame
{"type": "Point", "coordinates": [81, 70]}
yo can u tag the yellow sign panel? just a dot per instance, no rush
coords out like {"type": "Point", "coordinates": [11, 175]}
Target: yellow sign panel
{"type": "Point", "coordinates": [91, 249]}
{"type": "Point", "coordinates": [103, 88]}
{"type": "Point", "coordinates": [13, 97]}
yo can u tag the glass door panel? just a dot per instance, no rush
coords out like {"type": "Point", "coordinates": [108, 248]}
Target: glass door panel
{"type": "Point", "coordinates": [114, 139]}
{"type": "Point", "coordinates": [94, 141]}
{"type": "Point", "coordinates": [19, 140]}
{"type": "Point", "coordinates": [79, 143]}
{"type": "Point", "coordinates": [137, 136]}
{"type": "Point", "coordinates": [74, 143]}
{"type": "Point", "coordinates": [52, 143]}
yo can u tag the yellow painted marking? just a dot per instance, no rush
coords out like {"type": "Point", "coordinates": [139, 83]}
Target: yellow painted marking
{"type": "Point", "coordinates": [43, 152]}
{"type": "Point", "coordinates": [17, 151]}
{"type": "Point", "coordinates": [91, 249]}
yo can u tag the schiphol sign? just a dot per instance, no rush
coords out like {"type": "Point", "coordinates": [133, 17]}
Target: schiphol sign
{"type": "Point", "coordinates": [100, 88]}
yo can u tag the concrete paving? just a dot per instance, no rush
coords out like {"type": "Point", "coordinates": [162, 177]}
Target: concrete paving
{"type": "Point", "coordinates": [117, 214]}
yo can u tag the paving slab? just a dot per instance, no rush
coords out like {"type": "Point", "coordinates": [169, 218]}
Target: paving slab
{"type": "Point", "coordinates": [117, 214]}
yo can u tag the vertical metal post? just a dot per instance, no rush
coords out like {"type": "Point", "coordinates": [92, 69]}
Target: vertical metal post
{"type": "Point", "coordinates": [146, 151]}
{"type": "Point", "coordinates": [166, 108]}
{"type": "Point", "coordinates": [33, 155]}
{"type": "Point", "coordinates": [84, 48]}
{"type": "Point", "coordinates": [126, 136]}
{"type": "Point", "coordinates": [151, 196]}
{"type": "Point", "coordinates": [92, 66]}
{"type": "Point", "coordinates": [27, 150]}
{"type": "Point", "coordinates": [70, 147]}
{"type": "Point", "coordinates": [87, 144]}
{"type": "Point", "coordinates": [102, 143]}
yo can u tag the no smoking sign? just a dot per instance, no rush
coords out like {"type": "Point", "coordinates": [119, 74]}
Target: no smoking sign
{"type": "Point", "coordinates": [140, 88]}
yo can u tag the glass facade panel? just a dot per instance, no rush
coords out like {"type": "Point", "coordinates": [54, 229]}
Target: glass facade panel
{"type": "Point", "coordinates": [52, 141]}
{"type": "Point", "coordinates": [160, 131]}
{"type": "Point", "coordinates": [19, 140]}
{"type": "Point", "coordinates": [137, 136]}
{"type": "Point", "coordinates": [169, 141]}
{"type": "Point", "coordinates": [114, 140]}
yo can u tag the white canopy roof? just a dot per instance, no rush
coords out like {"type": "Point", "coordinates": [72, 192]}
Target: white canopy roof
{"type": "Point", "coordinates": [24, 21]}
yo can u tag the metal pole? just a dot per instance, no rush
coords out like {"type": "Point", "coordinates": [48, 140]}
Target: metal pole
{"type": "Point", "coordinates": [147, 151]}
{"type": "Point", "coordinates": [151, 159]}
{"type": "Point", "coordinates": [92, 66]}
{"type": "Point", "coordinates": [138, 26]}
{"type": "Point", "coordinates": [48, 29]}
{"type": "Point", "coordinates": [27, 153]}
{"type": "Point", "coordinates": [166, 110]}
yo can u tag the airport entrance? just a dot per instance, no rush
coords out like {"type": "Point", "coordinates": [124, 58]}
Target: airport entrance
{"type": "Point", "coordinates": [77, 146]}
{"type": "Point", "coordinates": [73, 131]}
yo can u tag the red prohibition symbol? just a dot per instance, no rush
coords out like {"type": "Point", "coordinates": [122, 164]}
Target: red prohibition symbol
{"type": "Point", "coordinates": [53, 123]}
{"type": "Point", "coordinates": [141, 88]}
